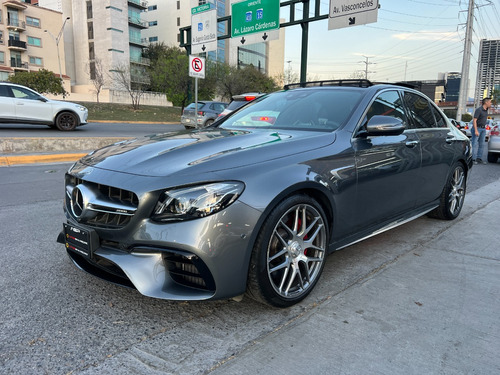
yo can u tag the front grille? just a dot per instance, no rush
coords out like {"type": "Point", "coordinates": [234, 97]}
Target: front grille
{"type": "Point", "coordinates": [189, 270]}
{"type": "Point", "coordinates": [111, 207]}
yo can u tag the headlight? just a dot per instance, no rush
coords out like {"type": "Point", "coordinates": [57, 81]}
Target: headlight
{"type": "Point", "coordinates": [82, 108]}
{"type": "Point", "coordinates": [196, 201]}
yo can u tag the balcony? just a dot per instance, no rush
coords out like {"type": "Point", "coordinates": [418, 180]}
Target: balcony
{"type": "Point", "coordinates": [140, 60]}
{"type": "Point", "coordinates": [138, 41]}
{"type": "Point", "coordinates": [17, 45]}
{"type": "Point", "coordinates": [134, 21]}
{"type": "Point", "coordinates": [18, 64]}
{"type": "Point", "coordinates": [14, 4]}
{"type": "Point", "coordinates": [143, 5]}
{"type": "Point", "coordinates": [16, 24]}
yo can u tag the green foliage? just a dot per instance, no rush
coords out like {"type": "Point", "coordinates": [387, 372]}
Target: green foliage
{"type": "Point", "coordinates": [43, 81]}
{"type": "Point", "coordinates": [169, 73]}
{"type": "Point", "coordinates": [495, 97]}
{"type": "Point", "coordinates": [234, 81]}
{"type": "Point", "coordinates": [466, 117]}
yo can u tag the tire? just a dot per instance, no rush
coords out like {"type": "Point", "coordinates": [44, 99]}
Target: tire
{"type": "Point", "coordinates": [289, 254]}
{"type": "Point", "coordinates": [208, 123]}
{"type": "Point", "coordinates": [452, 197]}
{"type": "Point", "coordinates": [66, 121]}
{"type": "Point", "coordinates": [492, 157]}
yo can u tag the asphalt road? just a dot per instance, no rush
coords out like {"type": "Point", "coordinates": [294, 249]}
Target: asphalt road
{"type": "Point", "coordinates": [55, 319]}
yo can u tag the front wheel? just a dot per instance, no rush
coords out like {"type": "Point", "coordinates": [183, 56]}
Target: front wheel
{"type": "Point", "coordinates": [452, 197]}
{"type": "Point", "coordinates": [289, 254]}
{"type": "Point", "coordinates": [66, 121]}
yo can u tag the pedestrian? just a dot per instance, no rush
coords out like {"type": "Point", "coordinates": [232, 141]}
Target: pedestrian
{"type": "Point", "coordinates": [478, 131]}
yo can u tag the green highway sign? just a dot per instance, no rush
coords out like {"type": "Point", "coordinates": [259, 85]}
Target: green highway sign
{"type": "Point", "coordinates": [254, 16]}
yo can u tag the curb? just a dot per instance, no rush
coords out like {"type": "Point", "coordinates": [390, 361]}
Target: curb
{"type": "Point", "coordinates": [6, 161]}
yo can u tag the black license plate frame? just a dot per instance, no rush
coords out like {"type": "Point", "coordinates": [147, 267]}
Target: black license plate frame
{"type": "Point", "coordinates": [80, 240]}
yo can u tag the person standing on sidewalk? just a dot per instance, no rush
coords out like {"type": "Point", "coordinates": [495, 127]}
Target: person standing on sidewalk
{"type": "Point", "coordinates": [478, 132]}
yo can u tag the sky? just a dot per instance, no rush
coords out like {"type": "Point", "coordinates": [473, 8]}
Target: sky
{"type": "Point", "coordinates": [411, 40]}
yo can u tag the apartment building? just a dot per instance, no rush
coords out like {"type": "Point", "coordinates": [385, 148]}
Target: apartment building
{"type": "Point", "coordinates": [28, 39]}
{"type": "Point", "coordinates": [103, 35]}
{"type": "Point", "coordinates": [488, 69]}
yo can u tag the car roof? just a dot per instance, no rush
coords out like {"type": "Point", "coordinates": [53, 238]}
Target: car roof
{"type": "Point", "coordinates": [355, 83]}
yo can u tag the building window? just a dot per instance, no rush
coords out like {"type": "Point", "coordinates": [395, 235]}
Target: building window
{"type": "Point", "coordinates": [92, 70]}
{"type": "Point", "coordinates": [178, 21]}
{"type": "Point", "coordinates": [32, 21]}
{"type": "Point", "coordinates": [89, 10]}
{"type": "Point", "coordinates": [2, 57]}
{"type": "Point", "coordinates": [90, 30]}
{"type": "Point", "coordinates": [178, 38]}
{"type": "Point", "coordinates": [152, 7]}
{"type": "Point", "coordinates": [91, 51]}
{"type": "Point", "coordinates": [178, 5]}
{"type": "Point", "coordinates": [1, 18]}
{"type": "Point", "coordinates": [153, 23]}
{"type": "Point", "coordinates": [153, 39]}
{"type": "Point", "coordinates": [36, 61]}
{"type": "Point", "coordinates": [1, 37]}
{"type": "Point", "coordinates": [32, 41]}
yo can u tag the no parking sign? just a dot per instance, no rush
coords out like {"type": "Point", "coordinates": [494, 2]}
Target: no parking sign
{"type": "Point", "coordinates": [196, 67]}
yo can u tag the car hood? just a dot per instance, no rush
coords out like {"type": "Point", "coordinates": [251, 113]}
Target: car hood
{"type": "Point", "coordinates": [203, 151]}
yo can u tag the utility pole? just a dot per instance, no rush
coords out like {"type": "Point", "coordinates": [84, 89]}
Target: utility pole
{"type": "Point", "coordinates": [366, 66]}
{"type": "Point", "coordinates": [464, 80]}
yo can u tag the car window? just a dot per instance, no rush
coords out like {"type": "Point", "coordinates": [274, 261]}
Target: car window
{"type": "Point", "coordinates": [387, 103]}
{"type": "Point", "coordinates": [4, 91]}
{"type": "Point", "coordinates": [440, 121]}
{"type": "Point", "coordinates": [235, 104]}
{"type": "Point", "coordinates": [21, 93]}
{"type": "Point", "coordinates": [419, 110]}
{"type": "Point", "coordinates": [298, 109]}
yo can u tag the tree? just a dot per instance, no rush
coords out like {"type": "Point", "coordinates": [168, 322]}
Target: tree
{"type": "Point", "coordinates": [96, 74]}
{"type": "Point", "coordinates": [466, 117]}
{"type": "Point", "coordinates": [495, 97]}
{"type": "Point", "coordinates": [132, 81]}
{"type": "Point", "coordinates": [43, 81]}
{"type": "Point", "coordinates": [233, 81]}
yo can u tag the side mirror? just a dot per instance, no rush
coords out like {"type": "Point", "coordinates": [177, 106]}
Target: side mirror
{"type": "Point", "coordinates": [385, 125]}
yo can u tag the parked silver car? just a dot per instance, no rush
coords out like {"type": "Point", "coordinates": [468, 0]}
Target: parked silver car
{"type": "Point", "coordinates": [24, 105]}
{"type": "Point", "coordinates": [207, 114]}
{"type": "Point", "coordinates": [494, 143]}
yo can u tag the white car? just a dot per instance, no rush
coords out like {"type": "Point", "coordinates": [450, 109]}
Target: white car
{"type": "Point", "coordinates": [470, 126]}
{"type": "Point", "coordinates": [22, 104]}
{"type": "Point", "coordinates": [494, 144]}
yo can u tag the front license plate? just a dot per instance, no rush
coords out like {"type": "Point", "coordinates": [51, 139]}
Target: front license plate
{"type": "Point", "coordinates": [78, 239]}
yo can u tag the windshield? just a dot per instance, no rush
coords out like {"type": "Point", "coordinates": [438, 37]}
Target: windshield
{"type": "Point", "coordinates": [308, 109]}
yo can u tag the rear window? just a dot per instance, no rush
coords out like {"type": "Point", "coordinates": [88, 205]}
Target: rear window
{"type": "Point", "coordinates": [193, 105]}
{"type": "Point", "coordinates": [235, 104]}
{"type": "Point", "coordinates": [306, 109]}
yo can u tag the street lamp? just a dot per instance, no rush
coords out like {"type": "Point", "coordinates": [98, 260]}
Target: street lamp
{"type": "Point", "coordinates": [57, 39]}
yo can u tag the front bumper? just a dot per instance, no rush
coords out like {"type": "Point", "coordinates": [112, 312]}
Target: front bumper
{"type": "Point", "coordinates": [200, 259]}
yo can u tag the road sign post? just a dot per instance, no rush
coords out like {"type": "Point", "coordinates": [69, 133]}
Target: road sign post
{"type": "Point", "coordinates": [196, 70]}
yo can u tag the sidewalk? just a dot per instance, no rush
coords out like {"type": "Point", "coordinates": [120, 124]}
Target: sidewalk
{"type": "Point", "coordinates": [434, 311]}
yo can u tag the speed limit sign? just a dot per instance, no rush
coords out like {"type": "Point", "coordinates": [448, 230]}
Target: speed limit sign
{"type": "Point", "coordinates": [196, 67]}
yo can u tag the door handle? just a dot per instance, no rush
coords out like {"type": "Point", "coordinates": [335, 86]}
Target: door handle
{"type": "Point", "coordinates": [450, 140]}
{"type": "Point", "coordinates": [411, 144]}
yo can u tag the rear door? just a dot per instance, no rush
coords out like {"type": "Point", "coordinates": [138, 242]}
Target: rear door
{"type": "Point", "coordinates": [438, 144]}
{"type": "Point", "coordinates": [7, 107]}
{"type": "Point", "coordinates": [387, 167]}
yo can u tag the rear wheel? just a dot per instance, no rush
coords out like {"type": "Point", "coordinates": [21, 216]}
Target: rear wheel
{"type": "Point", "coordinates": [452, 197]}
{"type": "Point", "coordinates": [492, 157]}
{"type": "Point", "coordinates": [289, 254]}
{"type": "Point", "coordinates": [208, 123]}
{"type": "Point", "coordinates": [66, 121]}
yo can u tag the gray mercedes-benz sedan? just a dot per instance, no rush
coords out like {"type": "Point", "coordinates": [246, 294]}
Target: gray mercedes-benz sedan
{"type": "Point", "coordinates": [255, 202]}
